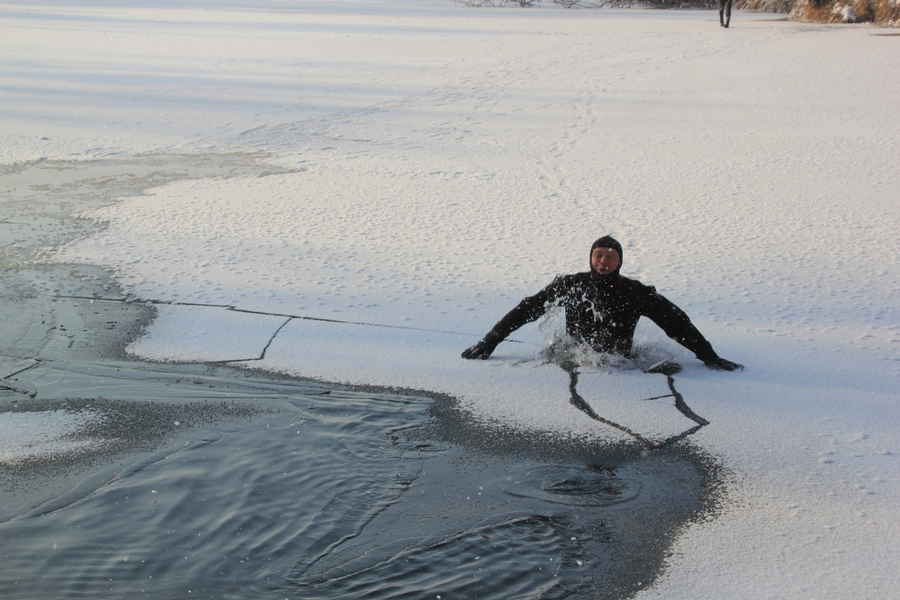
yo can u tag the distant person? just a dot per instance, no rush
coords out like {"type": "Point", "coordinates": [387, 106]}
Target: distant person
{"type": "Point", "coordinates": [602, 310]}
{"type": "Point", "coordinates": [725, 13]}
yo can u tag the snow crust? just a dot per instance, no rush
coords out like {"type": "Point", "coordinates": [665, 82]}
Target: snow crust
{"type": "Point", "coordinates": [36, 435]}
{"type": "Point", "coordinates": [450, 161]}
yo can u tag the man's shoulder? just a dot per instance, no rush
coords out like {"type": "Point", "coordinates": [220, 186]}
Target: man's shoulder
{"type": "Point", "coordinates": [565, 284]}
{"type": "Point", "coordinates": [635, 286]}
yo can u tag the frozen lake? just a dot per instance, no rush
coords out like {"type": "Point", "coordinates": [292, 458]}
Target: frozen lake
{"type": "Point", "coordinates": [354, 191]}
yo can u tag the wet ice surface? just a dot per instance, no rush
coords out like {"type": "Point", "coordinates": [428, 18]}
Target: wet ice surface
{"type": "Point", "coordinates": [232, 483]}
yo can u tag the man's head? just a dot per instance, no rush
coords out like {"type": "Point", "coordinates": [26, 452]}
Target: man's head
{"type": "Point", "coordinates": [606, 256]}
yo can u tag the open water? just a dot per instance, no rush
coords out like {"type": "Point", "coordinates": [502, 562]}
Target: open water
{"type": "Point", "coordinates": [216, 483]}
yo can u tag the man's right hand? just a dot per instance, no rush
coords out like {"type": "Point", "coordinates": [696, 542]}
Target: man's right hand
{"type": "Point", "coordinates": [482, 350]}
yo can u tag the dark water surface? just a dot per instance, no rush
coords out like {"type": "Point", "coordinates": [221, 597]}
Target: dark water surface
{"type": "Point", "coordinates": [233, 484]}
{"type": "Point", "coordinates": [222, 510]}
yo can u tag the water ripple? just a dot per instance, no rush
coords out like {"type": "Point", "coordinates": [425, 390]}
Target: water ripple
{"type": "Point", "coordinates": [573, 485]}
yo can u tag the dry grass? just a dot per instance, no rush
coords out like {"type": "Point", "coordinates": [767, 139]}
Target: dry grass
{"type": "Point", "coordinates": [887, 12]}
{"type": "Point", "coordinates": [882, 12]}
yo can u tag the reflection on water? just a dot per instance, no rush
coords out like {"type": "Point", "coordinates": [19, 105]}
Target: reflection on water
{"type": "Point", "coordinates": [237, 485]}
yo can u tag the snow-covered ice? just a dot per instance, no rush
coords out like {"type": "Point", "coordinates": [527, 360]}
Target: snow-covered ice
{"type": "Point", "coordinates": [36, 435]}
{"type": "Point", "coordinates": [450, 161]}
{"type": "Point", "coordinates": [207, 334]}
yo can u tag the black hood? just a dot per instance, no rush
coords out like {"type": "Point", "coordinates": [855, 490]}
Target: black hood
{"type": "Point", "coordinates": [607, 241]}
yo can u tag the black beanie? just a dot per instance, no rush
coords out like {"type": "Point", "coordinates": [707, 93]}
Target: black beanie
{"type": "Point", "coordinates": [607, 241]}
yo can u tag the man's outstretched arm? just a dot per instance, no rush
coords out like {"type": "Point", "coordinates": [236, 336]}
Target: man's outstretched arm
{"type": "Point", "coordinates": [528, 310]}
{"type": "Point", "coordinates": [679, 327]}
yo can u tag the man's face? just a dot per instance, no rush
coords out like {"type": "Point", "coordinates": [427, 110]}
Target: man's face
{"type": "Point", "coordinates": [605, 260]}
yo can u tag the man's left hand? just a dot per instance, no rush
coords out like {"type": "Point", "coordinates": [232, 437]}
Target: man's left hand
{"type": "Point", "coordinates": [721, 364]}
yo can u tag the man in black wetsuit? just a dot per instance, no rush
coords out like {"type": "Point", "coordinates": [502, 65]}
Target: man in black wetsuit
{"type": "Point", "coordinates": [602, 309]}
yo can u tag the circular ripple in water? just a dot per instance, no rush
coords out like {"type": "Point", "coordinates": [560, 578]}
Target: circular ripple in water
{"type": "Point", "coordinates": [574, 485]}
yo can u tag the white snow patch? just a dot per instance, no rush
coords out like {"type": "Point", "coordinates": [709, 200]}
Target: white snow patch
{"type": "Point", "coordinates": [195, 333]}
{"type": "Point", "coordinates": [35, 435]}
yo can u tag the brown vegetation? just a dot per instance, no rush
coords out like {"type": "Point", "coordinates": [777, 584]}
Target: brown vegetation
{"type": "Point", "coordinates": [883, 12]}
